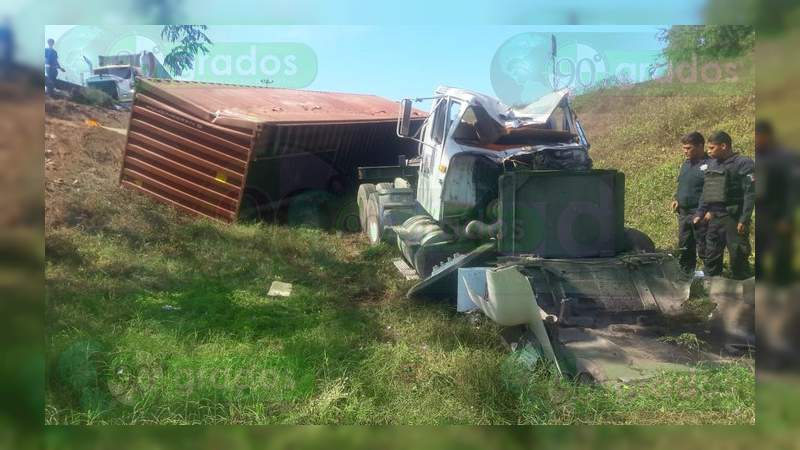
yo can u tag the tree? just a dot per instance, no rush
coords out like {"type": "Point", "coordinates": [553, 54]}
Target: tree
{"type": "Point", "coordinates": [707, 41]}
{"type": "Point", "coordinates": [767, 16]}
{"type": "Point", "coordinates": [191, 40]}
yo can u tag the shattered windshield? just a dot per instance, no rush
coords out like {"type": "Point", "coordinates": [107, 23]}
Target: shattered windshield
{"type": "Point", "coordinates": [560, 120]}
{"type": "Point", "coordinates": [476, 127]}
{"type": "Point", "coordinates": [540, 110]}
{"type": "Point", "coordinates": [122, 72]}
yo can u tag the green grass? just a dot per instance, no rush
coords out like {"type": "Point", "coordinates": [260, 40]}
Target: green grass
{"type": "Point", "coordinates": [152, 318]}
{"type": "Point", "coordinates": [637, 130]}
{"type": "Point", "coordinates": [777, 90]}
{"type": "Point", "coordinates": [156, 319]}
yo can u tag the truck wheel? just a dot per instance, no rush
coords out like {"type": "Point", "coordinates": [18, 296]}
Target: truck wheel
{"type": "Point", "coordinates": [345, 214]}
{"type": "Point", "coordinates": [374, 227]}
{"type": "Point", "coordinates": [256, 206]}
{"type": "Point", "coordinates": [364, 192]}
{"type": "Point", "coordinates": [639, 242]}
{"type": "Point", "coordinates": [307, 208]}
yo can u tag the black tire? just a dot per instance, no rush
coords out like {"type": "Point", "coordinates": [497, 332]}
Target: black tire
{"type": "Point", "coordinates": [374, 227]}
{"type": "Point", "coordinates": [639, 242]}
{"type": "Point", "coordinates": [307, 208]}
{"type": "Point", "coordinates": [346, 215]}
{"type": "Point", "coordinates": [256, 206]}
{"type": "Point", "coordinates": [364, 192]}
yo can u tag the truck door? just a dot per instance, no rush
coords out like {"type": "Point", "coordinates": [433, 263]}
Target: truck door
{"type": "Point", "coordinates": [427, 152]}
{"type": "Point", "coordinates": [434, 156]}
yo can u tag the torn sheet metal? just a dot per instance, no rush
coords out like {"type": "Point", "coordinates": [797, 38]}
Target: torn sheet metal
{"type": "Point", "coordinates": [598, 289]}
{"type": "Point", "coordinates": [535, 113]}
{"type": "Point", "coordinates": [608, 356]}
{"type": "Point", "coordinates": [587, 295]}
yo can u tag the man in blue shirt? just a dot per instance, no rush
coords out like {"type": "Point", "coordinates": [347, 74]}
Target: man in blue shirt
{"type": "Point", "coordinates": [51, 67]}
{"type": "Point", "coordinates": [6, 47]}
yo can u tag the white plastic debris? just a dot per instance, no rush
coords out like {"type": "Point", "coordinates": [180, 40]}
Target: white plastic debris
{"type": "Point", "coordinates": [170, 308]}
{"type": "Point", "coordinates": [280, 289]}
{"type": "Point", "coordinates": [475, 278]}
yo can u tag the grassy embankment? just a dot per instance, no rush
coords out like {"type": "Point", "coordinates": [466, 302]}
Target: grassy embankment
{"type": "Point", "coordinates": [155, 318]}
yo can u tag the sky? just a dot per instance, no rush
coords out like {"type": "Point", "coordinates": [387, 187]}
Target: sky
{"type": "Point", "coordinates": [28, 17]}
{"type": "Point", "coordinates": [390, 61]}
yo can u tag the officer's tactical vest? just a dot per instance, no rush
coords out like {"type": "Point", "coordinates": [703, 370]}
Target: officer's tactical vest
{"type": "Point", "coordinates": [714, 186]}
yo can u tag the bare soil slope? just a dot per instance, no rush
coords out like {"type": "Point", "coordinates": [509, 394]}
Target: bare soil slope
{"type": "Point", "coordinates": [79, 153]}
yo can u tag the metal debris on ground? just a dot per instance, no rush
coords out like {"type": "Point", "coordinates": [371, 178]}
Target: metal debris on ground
{"type": "Point", "coordinates": [280, 289]}
{"type": "Point", "coordinates": [405, 269]}
{"type": "Point", "coordinates": [170, 308]}
{"type": "Point", "coordinates": [734, 318]}
{"type": "Point", "coordinates": [121, 131]}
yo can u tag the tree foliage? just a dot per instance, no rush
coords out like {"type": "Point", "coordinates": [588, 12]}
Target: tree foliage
{"type": "Point", "coordinates": [191, 40]}
{"type": "Point", "coordinates": [767, 16]}
{"type": "Point", "coordinates": [707, 41]}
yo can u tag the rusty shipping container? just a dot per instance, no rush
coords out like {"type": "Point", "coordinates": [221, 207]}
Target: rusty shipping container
{"type": "Point", "coordinates": [208, 148]}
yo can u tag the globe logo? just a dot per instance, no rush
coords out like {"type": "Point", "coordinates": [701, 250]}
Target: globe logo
{"type": "Point", "coordinates": [579, 67]}
{"type": "Point", "coordinates": [522, 68]}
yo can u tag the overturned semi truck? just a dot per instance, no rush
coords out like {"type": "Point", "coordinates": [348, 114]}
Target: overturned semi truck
{"type": "Point", "coordinates": [227, 152]}
{"type": "Point", "coordinates": [505, 213]}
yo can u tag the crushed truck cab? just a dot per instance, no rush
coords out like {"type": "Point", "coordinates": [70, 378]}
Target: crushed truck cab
{"type": "Point", "coordinates": [510, 194]}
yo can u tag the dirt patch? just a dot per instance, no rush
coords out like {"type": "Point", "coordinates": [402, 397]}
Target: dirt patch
{"type": "Point", "coordinates": [80, 155]}
{"type": "Point", "coordinates": [76, 112]}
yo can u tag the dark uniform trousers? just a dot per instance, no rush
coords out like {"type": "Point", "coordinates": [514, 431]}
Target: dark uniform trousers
{"type": "Point", "coordinates": [729, 195]}
{"type": "Point", "coordinates": [722, 233]}
{"type": "Point", "coordinates": [691, 240]}
{"type": "Point", "coordinates": [51, 74]}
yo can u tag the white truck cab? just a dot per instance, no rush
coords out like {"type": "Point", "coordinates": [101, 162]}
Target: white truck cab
{"type": "Point", "coordinates": [116, 80]}
{"type": "Point", "coordinates": [509, 217]}
{"type": "Point", "coordinates": [463, 121]}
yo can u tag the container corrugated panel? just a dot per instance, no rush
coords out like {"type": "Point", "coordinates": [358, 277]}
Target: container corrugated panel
{"type": "Point", "coordinates": [190, 144]}
{"type": "Point", "coordinates": [189, 163]}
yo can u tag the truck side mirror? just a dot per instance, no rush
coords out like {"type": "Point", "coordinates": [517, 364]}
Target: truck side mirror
{"type": "Point", "coordinates": [404, 124]}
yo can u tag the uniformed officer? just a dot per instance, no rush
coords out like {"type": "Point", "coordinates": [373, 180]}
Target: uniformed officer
{"type": "Point", "coordinates": [691, 236]}
{"type": "Point", "coordinates": [727, 206]}
{"type": "Point", "coordinates": [775, 206]}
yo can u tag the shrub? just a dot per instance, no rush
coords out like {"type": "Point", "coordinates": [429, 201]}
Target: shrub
{"type": "Point", "coordinates": [89, 96]}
